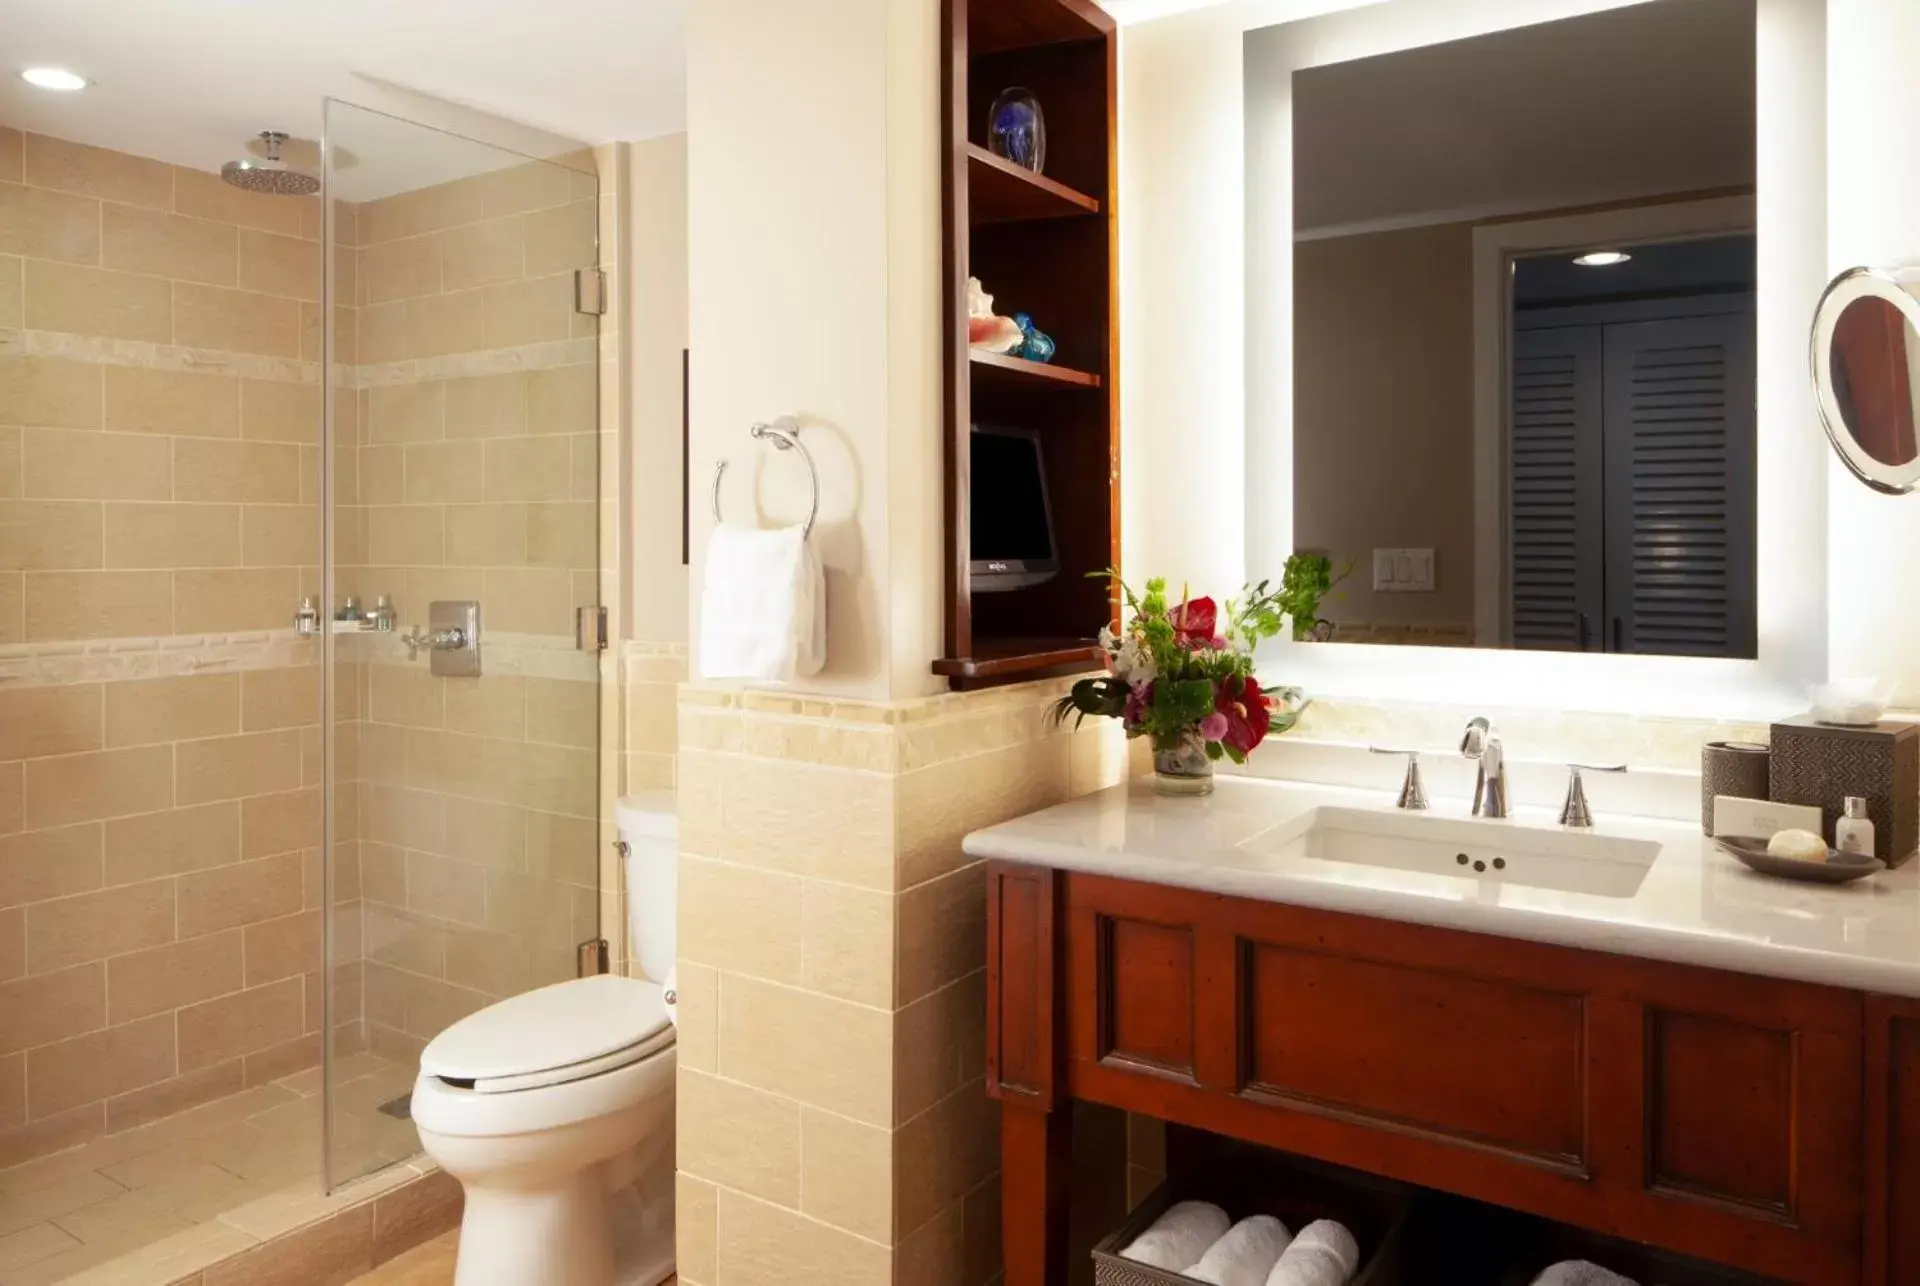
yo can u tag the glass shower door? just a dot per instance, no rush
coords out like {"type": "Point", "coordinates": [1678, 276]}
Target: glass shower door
{"type": "Point", "coordinates": [460, 486]}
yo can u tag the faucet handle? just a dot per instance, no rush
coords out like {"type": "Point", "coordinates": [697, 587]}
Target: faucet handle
{"type": "Point", "coordinates": [1575, 812]}
{"type": "Point", "coordinates": [1413, 792]}
{"type": "Point", "coordinates": [1473, 742]}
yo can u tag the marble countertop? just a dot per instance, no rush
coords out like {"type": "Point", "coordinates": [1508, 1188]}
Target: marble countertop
{"type": "Point", "coordinates": [1693, 905]}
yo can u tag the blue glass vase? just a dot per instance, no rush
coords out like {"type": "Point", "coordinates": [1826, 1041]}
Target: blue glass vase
{"type": "Point", "coordinates": [1017, 129]}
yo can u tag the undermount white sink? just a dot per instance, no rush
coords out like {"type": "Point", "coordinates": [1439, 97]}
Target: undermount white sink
{"type": "Point", "coordinates": [1476, 849]}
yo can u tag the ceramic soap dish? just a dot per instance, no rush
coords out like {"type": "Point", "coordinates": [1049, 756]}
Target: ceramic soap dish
{"type": "Point", "coordinates": [1839, 868]}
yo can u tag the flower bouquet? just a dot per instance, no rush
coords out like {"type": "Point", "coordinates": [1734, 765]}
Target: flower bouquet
{"type": "Point", "coordinates": [1183, 675]}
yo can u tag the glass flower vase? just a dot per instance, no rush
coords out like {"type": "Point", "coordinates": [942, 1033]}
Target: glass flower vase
{"type": "Point", "coordinates": [1181, 766]}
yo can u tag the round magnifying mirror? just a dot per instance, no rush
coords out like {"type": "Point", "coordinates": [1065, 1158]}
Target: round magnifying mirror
{"type": "Point", "coordinates": [1866, 374]}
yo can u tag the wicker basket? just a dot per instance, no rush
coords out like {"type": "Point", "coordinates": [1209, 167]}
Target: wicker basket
{"type": "Point", "coordinates": [1297, 1193]}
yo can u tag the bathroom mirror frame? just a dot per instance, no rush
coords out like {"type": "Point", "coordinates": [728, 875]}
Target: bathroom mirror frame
{"type": "Point", "coordinates": [1790, 212]}
{"type": "Point", "coordinates": [1896, 287]}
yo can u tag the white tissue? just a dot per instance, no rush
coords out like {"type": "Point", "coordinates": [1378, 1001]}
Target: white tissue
{"type": "Point", "coordinates": [1245, 1255]}
{"type": "Point", "coordinates": [1578, 1272]}
{"type": "Point", "coordinates": [1323, 1254]}
{"type": "Point", "coordinates": [1178, 1238]}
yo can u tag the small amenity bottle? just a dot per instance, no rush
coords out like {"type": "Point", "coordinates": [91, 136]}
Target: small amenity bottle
{"type": "Point", "coordinates": [1853, 833]}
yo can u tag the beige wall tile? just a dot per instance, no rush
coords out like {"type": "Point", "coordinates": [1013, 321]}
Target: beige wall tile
{"type": "Point", "coordinates": [933, 1253]}
{"type": "Point", "coordinates": [442, 324]}
{"type": "Point", "coordinates": [236, 472]}
{"type": "Point", "coordinates": [413, 1213]}
{"type": "Point", "coordinates": [163, 979]}
{"type": "Point", "coordinates": [336, 1249]}
{"type": "Point", "coordinates": [283, 948]}
{"type": "Point", "coordinates": [49, 720]}
{"type": "Point", "coordinates": [281, 411]}
{"type": "Point", "coordinates": [944, 1153]}
{"type": "Point", "coordinates": [479, 254]}
{"type": "Point", "coordinates": [137, 239]}
{"type": "Point", "coordinates": [557, 779]}
{"type": "Point", "coordinates": [532, 186]}
{"type": "Point", "coordinates": [93, 301]}
{"type": "Point", "coordinates": [408, 941]}
{"type": "Point", "coordinates": [939, 1045]}
{"type": "Point", "coordinates": [410, 698]}
{"type": "Point", "coordinates": [652, 718]}
{"type": "Point", "coordinates": [88, 1068]}
{"type": "Point", "coordinates": [381, 332]}
{"type": "Point", "coordinates": [528, 469]}
{"type": "Point", "coordinates": [769, 1039]}
{"type": "Point", "coordinates": [847, 1174]}
{"type": "Point", "coordinates": [283, 823]}
{"type": "Point", "coordinates": [406, 535]}
{"type": "Point", "coordinates": [446, 888]}
{"type": "Point", "coordinates": [765, 1245]}
{"type": "Point", "coordinates": [530, 601]}
{"type": "Point", "coordinates": [12, 798]}
{"type": "Point", "coordinates": [495, 963]}
{"type": "Point", "coordinates": [233, 321]}
{"type": "Point", "coordinates": [943, 932]}
{"type": "Point", "coordinates": [43, 1008]}
{"type": "Point", "coordinates": [217, 1030]}
{"type": "Point", "coordinates": [13, 948]}
{"type": "Point", "coordinates": [488, 833]}
{"type": "Point", "coordinates": [284, 698]}
{"type": "Point", "coordinates": [738, 1137]}
{"type": "Point", "coordinates": [280, 536]}
{"type": "Point", "coordinates": [492, 706]}
{"type": "Point", "coordinates": [486, 535]}
{"type": "Point", "coordinates": [563, 535]}
{"type": "Point", "coordinates": [97, 171]}
{"type": "Point", "coordinates": [441, 472]}
{"type": "Point", "coordinates": [563, 238]}
{"type": "Point", "coordinates": [277, 265]}
{"type": "Point", "coordinates": [38, 865]}
{"type": "Point", "coordinates": [563, 712]}
{"type": "Point", "coordinates": [226, 897]}
{"type": "Point", "coordinates": [255, 763]}
{"type": "Point", "coordinates": [828, 823]}
{"type": "Point", "coordinates": [13, 626]}
{"type": "Point", "coordinates": [381, 475]}
{"type": "Point", "coordinates": [400, 269]}
{"type": "Point", "coordinates": [698, 1027]}
{"type": "Point", "coordinates": [108, 783]}
{"type": "Point", "coordinates": [11, 482]}
{"type": "Point", "coordinates": [564, 848]}
{"type": "Point", "coordinates": [145, 711]}
{"type": "Point", "coordinates": [49, 225]}
{"type": "Point", "coordinates": [407, 412]}
{"type": "Point", "coordinates": [524, 312]}
{"type": "Point", "coordinates": [848, 937]}
{"type": "Point", "coordinates": [939, 805]}
{"type": "Point", "coordinates": [61, 464]}
{"type": "Point", "coordinates": [205, 196]}
{"type": "Point", "coordinates": [428, 209]}
{"type": "Point", "coordinates": [12, 155]}
{"type": "Point", "coordinates": [247, 599]}
{"type": "Point", "coordinates": [741, 920]}
{"type": "Point", "coordinates": [89, 926]}
{"type": "Point", "coordinates": [695, 1206]}
{"type": "Point", "coordinates": [49, 393]}
{"type": "Point", "coordinates": [170, 1097]}
{"type": "Point", "coordinates": [487, 406]}
{"type": "Point", "coordinates": [171, 535]}
{"type": "Point", "coordinates": [44, 535]}
{"type": "Point", "coordinates": [140, 400]}
{"type": "Point", "coordinates": [53, 1134]}
{"type": "Point", "coordinates": [563, 399]}
{"type": "Point", "coordinates": [12, 293]}
{"type": "Point", "coordinates": [172, 842]}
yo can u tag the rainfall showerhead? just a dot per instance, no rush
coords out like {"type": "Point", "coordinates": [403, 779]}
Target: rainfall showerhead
{"type": "Point", "coordinates": [268, 173]}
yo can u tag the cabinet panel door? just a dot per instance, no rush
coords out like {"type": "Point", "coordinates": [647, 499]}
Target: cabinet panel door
{"type": "Point", "coordinates": [1893, 1142]}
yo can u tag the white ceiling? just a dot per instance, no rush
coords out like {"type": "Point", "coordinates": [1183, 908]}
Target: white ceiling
{"type": "Point", "coordinates": [191, 81]}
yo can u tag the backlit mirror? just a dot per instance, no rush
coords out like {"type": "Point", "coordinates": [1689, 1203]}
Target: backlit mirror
{"type": "Point", "coordinates": [1524, 342]}
{"type": "Point", "coordinates": [1866, 360]}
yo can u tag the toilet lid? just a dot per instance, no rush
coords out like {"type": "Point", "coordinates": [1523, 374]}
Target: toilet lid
{"type": "Point", "coordinates": [583, 1026]}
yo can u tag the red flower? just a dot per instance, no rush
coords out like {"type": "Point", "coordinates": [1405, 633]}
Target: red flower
{"type": "Point", "coordinates": [1193, 622]}
{"type": "Point", "coordinates": [1247, 714]}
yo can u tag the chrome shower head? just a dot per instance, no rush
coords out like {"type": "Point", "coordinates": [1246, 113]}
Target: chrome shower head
{"type": "Point", "coordinates": [269, 174]}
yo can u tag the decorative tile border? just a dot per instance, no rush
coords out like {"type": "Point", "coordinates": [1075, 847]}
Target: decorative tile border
{"type": "Point", "coordinates": [495, 361]}
{"type": "Point", "coordinates": [113, 660]}
{"type": "Point", "coordinates": [96, 351]}
{"type": "Point", "coordinates": [534, 656]}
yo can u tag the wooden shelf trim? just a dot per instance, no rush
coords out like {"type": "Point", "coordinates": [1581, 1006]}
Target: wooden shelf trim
{"type": "Point", "coordinates": [999, 368]}
{"type": "Point", "coordinates": [1000, 660]}
{"type": "Point", "coordinates": [998, 191]}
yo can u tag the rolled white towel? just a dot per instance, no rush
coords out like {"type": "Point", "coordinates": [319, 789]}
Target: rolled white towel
{"type": "Point", "coordinates": [1176, 1240]}
{"type": "Point", "coordinates": [1245, 1255]}
{"type": "Point", "coordinates": [1578, 1272]}
{"type": "Point", "coordinates": [1323, 1253]}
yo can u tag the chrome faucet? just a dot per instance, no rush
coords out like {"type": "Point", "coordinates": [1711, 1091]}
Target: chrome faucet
{"type": "Point", "coordinates": [1482, 744]}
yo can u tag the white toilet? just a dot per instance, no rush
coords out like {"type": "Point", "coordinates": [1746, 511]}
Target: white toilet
{"type": "Point", "coordinates": [554, 1109]}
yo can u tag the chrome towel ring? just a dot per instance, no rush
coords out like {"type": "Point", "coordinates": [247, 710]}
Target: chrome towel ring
{"type": "Point", "coordinates": [784, 433]}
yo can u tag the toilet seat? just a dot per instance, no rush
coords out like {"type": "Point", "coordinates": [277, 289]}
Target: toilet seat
{"type": "Point", "coordinates": [554, 1035]}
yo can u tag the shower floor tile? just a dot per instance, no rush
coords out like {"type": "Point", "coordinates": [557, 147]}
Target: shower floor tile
{"type": "Point", "coordinates": [153, 1203]}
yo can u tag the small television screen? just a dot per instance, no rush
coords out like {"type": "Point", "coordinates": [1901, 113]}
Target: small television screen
{"type": "Point", "coordinates": [1011, 518]}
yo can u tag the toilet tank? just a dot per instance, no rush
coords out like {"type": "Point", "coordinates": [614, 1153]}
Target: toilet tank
{"type": "Point", "coordinates": [650, 829]}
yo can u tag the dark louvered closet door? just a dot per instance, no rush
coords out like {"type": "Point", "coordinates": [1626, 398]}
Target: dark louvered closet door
{"type": "Point", "coordinates": [1555, 494]}
{"type": "Point", "coordinates": [1680, 486]}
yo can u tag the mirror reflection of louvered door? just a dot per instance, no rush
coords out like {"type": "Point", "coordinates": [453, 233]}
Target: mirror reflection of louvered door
{"type": "Point", "coordinates": [1631, 483]}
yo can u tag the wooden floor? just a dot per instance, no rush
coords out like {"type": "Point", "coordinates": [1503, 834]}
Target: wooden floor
{"type": "Point", "coordinates": [427, 1265]}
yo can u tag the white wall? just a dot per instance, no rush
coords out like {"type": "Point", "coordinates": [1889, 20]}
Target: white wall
{"type": "Point", "coordinates": [655, 269]}
{"type": "Point", "coordinates": [814, 250]}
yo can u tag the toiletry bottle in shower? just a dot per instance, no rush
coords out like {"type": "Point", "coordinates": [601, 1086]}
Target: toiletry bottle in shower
{"type": "Point", "coordinates": [1853, 833]}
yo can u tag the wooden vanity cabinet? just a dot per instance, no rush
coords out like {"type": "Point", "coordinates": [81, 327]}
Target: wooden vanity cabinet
{"type": "Point", "coordinates": [1715, 1114]}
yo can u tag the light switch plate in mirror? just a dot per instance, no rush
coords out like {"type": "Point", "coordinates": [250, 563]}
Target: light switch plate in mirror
{"type": "Point", "coordinates": [461, 661]}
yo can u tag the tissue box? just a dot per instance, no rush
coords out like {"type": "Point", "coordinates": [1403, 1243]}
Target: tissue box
{"type": "Point", "coordinates": [1819, 764]}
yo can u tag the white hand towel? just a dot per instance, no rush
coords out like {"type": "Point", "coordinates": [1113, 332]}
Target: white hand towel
{"type": "Point", "coordinates": [1578, 1272]}
{"type": "Point", "coordinates": [1245, 1255]}
{"type": "Point", "coordinates": [763, 605]}
{"type": "Point", "coordinates": [1178, 1238]}
{"type": "Point", "coordinates": [1323, 1254]}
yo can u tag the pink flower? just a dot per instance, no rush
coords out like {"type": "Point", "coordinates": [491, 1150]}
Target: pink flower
{"type": "Point", "coordinates": [1213, 727]}
{"type": "Point", "coordinates": [1139, 697]}
{"type": "Point", "coordinates": [1193, 622]}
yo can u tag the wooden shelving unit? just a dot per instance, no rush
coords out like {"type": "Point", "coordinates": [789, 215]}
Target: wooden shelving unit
{"type": "Point", "coordinates": [1043, 244]}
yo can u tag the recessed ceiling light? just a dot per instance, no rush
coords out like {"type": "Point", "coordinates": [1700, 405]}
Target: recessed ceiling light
{"type": "Point", "coordinates": [1602, 258]}
{"type": "Point", "coordinates": [54, 78]}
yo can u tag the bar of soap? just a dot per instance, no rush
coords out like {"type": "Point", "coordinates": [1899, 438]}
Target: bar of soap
{"type": "Point", "coordinates": [1801, 845]}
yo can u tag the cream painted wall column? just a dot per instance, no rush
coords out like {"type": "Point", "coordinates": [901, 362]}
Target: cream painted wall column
{"type": "Point", "coordinates": [813, 196]}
